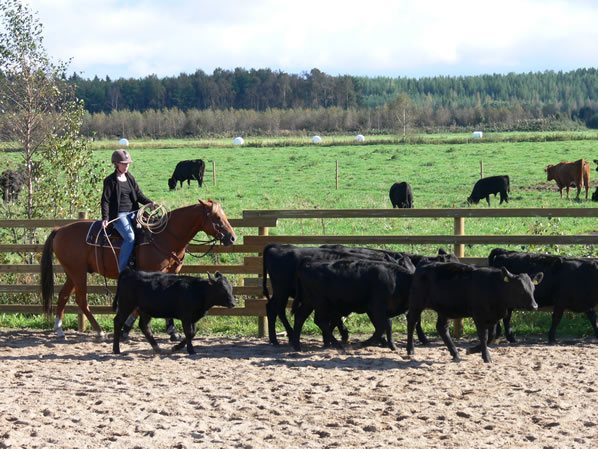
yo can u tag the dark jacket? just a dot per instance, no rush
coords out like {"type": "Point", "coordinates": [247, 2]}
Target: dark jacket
{"type": "Point", "coordinates": [111, 196]}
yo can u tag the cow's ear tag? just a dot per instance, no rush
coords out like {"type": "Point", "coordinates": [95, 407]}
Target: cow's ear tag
{"type": "Point", "coordinates": [535, 282]}
{"type": "Point", "coordinates": [506, 279]}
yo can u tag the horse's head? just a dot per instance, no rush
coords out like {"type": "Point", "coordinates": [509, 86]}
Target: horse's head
{"type": "Point", "coordinates": [217, 224]}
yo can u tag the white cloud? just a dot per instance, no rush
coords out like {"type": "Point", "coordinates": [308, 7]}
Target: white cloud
{"type": "Point", "coordinates": [135, 38]}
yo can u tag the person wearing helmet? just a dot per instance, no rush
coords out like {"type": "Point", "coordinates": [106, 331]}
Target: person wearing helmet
{"type": "Point", "coordinates": [120, 199]}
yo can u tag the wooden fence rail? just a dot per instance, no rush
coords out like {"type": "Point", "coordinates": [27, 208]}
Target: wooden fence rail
{"type": "Point", "coordinates": [263, 220]}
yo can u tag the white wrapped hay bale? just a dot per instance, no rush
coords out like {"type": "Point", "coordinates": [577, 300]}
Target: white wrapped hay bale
{"type": "Point", "coordinates": [238, 141]}
{"type": "Point", "coordinates": [316, 139]}
{"type": "Point", "coordinates": [359, 138]}
{"type": "Point", "coordinates": [477, 134]}
{"type": "Point", "coordinates": [123, 142]}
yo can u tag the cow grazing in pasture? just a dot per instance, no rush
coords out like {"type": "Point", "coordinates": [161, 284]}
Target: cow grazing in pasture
{"type": "Point", "coordinates": [165, 295]}
{"type": "Point", "coordinates": [11, 183]}
{"type": "Point", "coordinates": [485, 187]}
{"type": "Point", "coordinates": [570, 174]}
{"type": "Point", "coordinates": [280, 263]}
{"type": "Point", "coordinates": [401, 195]}
{"type": "Point", "coordinates": [337, 288]}
{"type": "Point", "coordinates": [456, 290]}
{"type": "Point", "coordinates": [187, 171]}
{"type": "Point", "coordinates": [569, 284]}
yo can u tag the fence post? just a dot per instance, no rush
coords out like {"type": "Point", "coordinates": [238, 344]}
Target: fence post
{"type": "Point", "coordinates": [81, 319]}
{"type": "Point", "coordinates": [459, 252]}
{"type": "Point", "coordinates": [262, 320]}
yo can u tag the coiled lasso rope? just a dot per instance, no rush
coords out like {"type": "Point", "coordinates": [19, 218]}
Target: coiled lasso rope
{"type": "Point", "coordinates": [155, 221]}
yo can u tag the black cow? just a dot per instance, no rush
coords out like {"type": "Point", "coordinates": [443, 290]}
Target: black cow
{"type": "Point", "coordinates": [11, 183]}
{"type": "Point", "coordinates": [401, 195]}
{"type": "Point", "coordinates": [569, 284]}
{"type": "Point", "coordinates": [186, 171]}
{"type": "Point", "coordinates": [488, 186]}
{"type": "Point", "coordinates": [456, 290]}
{"type": "Point", "coordinates": [166, 295]}
{"type": "Point", "coordinates": [280, 262]}
{"type": "Point", "coordinates": [339, 287]}
{"type": "Point", "coordinates": [595, 194]}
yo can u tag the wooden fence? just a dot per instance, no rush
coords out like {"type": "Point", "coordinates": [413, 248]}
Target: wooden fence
{"type": "Point", "coordinates": [262, 221]}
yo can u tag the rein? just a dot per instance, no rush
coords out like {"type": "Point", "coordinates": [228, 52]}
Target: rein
{"type": "Point", "coordinates": [211, 242]}
{"type": "Point", "coordinates": [103, 260]}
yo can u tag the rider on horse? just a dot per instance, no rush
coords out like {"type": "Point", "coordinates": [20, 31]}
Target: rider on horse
{"type": "Point", "coordinates": [120, 200]}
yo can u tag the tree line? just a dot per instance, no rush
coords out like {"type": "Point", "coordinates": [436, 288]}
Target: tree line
{"type": "Point", "coordinates": [268, 102]}
{"type": "Point", "coordinates": [386, 119]}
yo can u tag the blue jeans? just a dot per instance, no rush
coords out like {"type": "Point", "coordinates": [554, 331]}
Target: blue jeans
{"type": "Point", "coordinates": [124, 226]}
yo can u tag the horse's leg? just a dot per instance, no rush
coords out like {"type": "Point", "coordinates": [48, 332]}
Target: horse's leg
{"type": "Point", "coordinates": [81, 298]}
{"type": "Point", "coordinates": [63, 297]}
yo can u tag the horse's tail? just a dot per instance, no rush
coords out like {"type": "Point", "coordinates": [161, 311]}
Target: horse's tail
{"type": "Point", "coordinates": [47, 273]}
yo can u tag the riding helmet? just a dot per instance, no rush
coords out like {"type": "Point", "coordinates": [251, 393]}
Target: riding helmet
{"type": "Point", "coordinates": [121, 156]}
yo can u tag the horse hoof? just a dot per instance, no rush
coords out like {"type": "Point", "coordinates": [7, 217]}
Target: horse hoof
{"type": "Point", "coordinates": [100, 336]}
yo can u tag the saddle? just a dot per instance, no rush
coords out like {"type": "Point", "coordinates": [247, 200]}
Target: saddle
{"type": "Point", "coordinates": [97, 237]}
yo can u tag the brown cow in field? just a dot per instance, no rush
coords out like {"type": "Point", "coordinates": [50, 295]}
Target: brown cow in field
{"type": "Point", "coordinates": [567, 174]}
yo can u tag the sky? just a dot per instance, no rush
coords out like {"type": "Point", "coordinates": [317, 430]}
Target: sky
{"type": "Point", "coordinates": [393, 38]}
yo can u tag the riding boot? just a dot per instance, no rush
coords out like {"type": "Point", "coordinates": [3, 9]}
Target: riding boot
{"type": "Point", "coordinates": [171, 330]}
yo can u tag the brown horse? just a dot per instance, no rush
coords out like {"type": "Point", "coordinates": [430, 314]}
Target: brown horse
{"type": "Point", "coordinates": [165, 253]}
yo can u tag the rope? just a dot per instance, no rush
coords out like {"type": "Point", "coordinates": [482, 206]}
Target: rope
{"type": "Point", "coordinates": [155, 221]}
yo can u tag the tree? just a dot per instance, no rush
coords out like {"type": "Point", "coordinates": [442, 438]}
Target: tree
{"type": "Point", "coordinates": [403, 111]}
{"type": "Point", "coordinates": [593, 122]}
{"type": "Point", "coordinates": [41, 114]}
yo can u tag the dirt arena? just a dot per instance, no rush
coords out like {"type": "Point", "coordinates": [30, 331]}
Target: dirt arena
{"type": "Point", "coordinates": [243, 393]}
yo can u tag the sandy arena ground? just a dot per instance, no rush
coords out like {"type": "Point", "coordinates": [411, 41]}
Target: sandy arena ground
{"type": "Point", "coordinates": [243, 393]}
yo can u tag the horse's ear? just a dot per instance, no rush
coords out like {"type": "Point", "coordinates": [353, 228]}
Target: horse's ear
{"type": "Point", "coordinates": [208, 205]}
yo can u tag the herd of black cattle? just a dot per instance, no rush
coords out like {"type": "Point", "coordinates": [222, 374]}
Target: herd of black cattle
{"type": "Point", "coordinates": [334, 281]}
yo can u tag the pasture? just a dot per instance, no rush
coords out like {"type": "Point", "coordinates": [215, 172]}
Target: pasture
{"type": "Point", "coordinates": [304, 176]}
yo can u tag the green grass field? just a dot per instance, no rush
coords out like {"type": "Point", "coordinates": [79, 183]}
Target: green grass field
{"type": "Point", "coordinates": [303, 176]}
